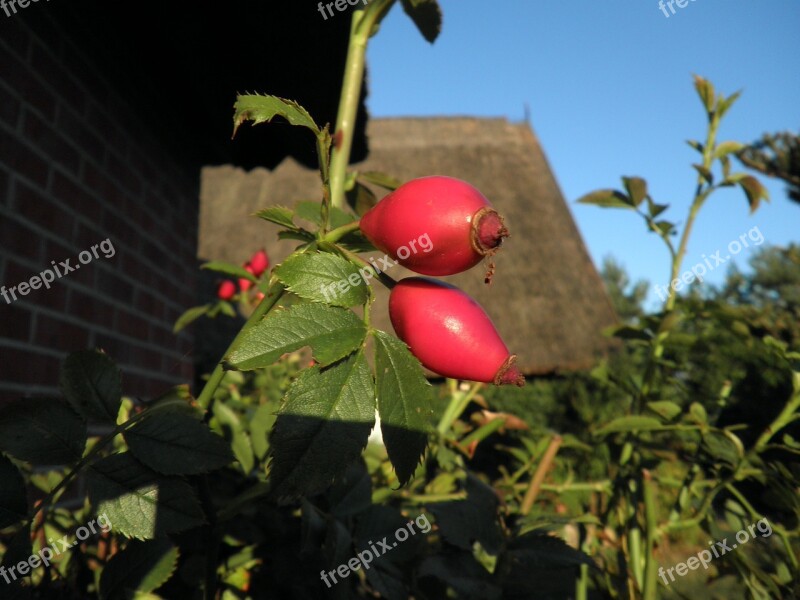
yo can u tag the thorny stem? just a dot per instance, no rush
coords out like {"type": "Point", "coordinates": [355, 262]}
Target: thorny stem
{"type": "Point", "coordinates": [352, 256]}
{"type": "Point", "coordinates": [361, 28]}
{"type": "Point", "coordinates": [272, 296]}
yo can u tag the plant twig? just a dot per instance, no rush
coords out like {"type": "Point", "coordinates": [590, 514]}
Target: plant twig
{"type": "Point", "coordinates": [539, 475]}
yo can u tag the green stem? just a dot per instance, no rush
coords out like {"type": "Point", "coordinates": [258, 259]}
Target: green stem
{"type": "Point", "coordinates": [361, 28]}
{"type": "Point", "coordinates": [650, 567]}
{"type": "Point", "coordinates": [353, 257]}
{"type": "Point", "coordinates": [335, 235]}
{"type": "Point", "coordinates": [458, 403]}
{"type": "Point", "coordinates": [272, 296]}
{"type": "Point", "coordinates": [783, 419]}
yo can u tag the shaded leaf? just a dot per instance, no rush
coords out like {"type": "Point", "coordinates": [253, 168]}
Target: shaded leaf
{"type": "Point", "coordinates": [173, 443]}
{"type": "Point", "coordinates": [229, 269]}
{"type": "Point", "coordinates": [706, 92]}
{"type": "Point", "coordinates": [630, 423]}
{"type": "Point", "coordinates": [361, 198]}
{"type": "Point", "coordinates": [141, 567]}
{"type": "Point", "coordinates": [190, 316]}
{"type": "Point", "coordinates": [92, 384]}
{"type": "Point", "coordinates": [322, 426]}
{"type": "Point", "coordinates": [324, 277]}
{"type": "Point", "coordinates": [463, 574]}
{"type": "Point", "coordinates": [139, 502]}
{"type": "Point", "coordinates": [665, 409]}
{"type": "Point", "coordinates": [726, 148]}
{"type": "Point", "coordinates": [381, 180]}
{"type": "Point", "coordinates": [42, 432]}
{"type": "Point", "coordinates": [427, 16]}
{"type": "Point", "coordinates": [262, 109]}
{"type": "Point", "coordinates": [13, 499]}
{"type": "Point", "coordinates": [332, 333]}
{"type": "Point", "coordinates": [234, 431]}
{"type": "Point", "coordinates": [754, 191]}
{"type": "Point", "coordinates": [405, 400]}
{"type": "Point", "coordinates": [704, 173]}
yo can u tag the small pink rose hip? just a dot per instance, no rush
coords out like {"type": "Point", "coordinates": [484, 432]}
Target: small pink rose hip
{"type": "Point", "coordinates": [259, 262]}
{"type": "Point", "coordinates": [246, 284]}
{"type": "Point", "coordinates": [226, 290]}
{"type": "Point", "coordinates": [450, 333]}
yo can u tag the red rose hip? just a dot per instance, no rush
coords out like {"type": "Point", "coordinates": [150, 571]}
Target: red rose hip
{"type": "Point", "coordinates": [259, 262]}
{"type": "Point", "coordinates": [450, 333]}
{"type": "Point", "coordinates": [226, 290]}
{"type": "Point", "coordinates": [435, 226]}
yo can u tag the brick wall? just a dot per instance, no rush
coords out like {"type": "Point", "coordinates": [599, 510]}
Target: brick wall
{"type": "Point", "coordinates": [78, 166]}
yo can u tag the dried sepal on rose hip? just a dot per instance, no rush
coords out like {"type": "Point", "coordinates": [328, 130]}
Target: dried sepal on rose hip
{"type": "Point", "coordinates": [457, 222]}
{"type": "Point", "coordinates": [450, 333]}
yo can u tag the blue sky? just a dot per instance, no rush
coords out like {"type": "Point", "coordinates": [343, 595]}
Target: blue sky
{"type": "Point", "coordinates": [609, 86]}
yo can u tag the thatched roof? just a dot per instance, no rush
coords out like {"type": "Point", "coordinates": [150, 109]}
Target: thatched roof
{"type": "Point", "coordinates": [547, 299]}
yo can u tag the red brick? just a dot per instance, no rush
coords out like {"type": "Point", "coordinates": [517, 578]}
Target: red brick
{"type": "Point", "coordinates": [15, 37]}
{"type": "Point", "coordinates": [91, 309]}
{"type": "Point", "coordinates": [57, 77]}
{"type": "Point", "coordinates": [19, 238]}
{"type": "Point", "coordinates": [75, 196]}
{"type": "Point", "coordinates": [28, 367]}
{"type": "Point", "coordinates": [131, 325]}
{"type": "Point", "coordinates": [116, 226]}
{"type": "Point", "coordinates": [110, 284]}
{"type": "Point", "coordinates": [9, 108]}
{"type": "Point", "coordinates": [33, 206]}
{"type": "Point", "coordinates": [75, 129]}
{"type": "Point", "coordinates": [122, 174]}
{"type": "Point", "coordinates": [53, 298]}
{"type": "Point", "coordinates": [19, 77]}
{"type": "Point", "coordinates": [148, 303]}
{"type": "Point", "coordinates": [56, 334]}
{"type": "Point", "coordinates": [21, 159]}
{"type": "Point", "coordinates": [16, 321]}
{"type": "Point", "coordinates": [5, 183]}
{"type": "Point", "coordinates": [44, 137]}
{"type": "Point", "coordinates": [98, 120]}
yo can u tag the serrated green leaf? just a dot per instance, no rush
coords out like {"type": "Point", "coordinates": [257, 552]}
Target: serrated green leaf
{"type": "Point", "coordinates": [140, 568]}
{"type": "Point", "coordinates": [324, 277]}
{"type": "Point", "coordinates": [280, 215]}
{"type": "Point", "coordinates": [232, 427]}
{"type": "Point", "coordinates": [332, 333]}
{"type": "Point", "coordinates": [536, 551]}
{"type": "Point", "coordinates": [665, 409]}
{"type": "Point", "coordinates": [190, 316]}
{"type": "Point", "coordinates": [173, 443]}
{"type": "Point", "coordinates": [262, 109]}
{"type": "Point", "coordinates": [92, 384]}
{"type": "Point", "coordinates": [260, 425]}
{"type": "Point", "coordinates": [229, 269]}
{"type": "Point", "coordinates": [311, 211]}
{"type": "Point", "coordinates": [42, 432]}
{"type": "Point", "coordinates": [383, 180]}
{"type": "Point", "coordinates": [13, 499]}
{"type": "Point", "coordinates": [606, 199]}
{"type": "Point", "coordinates": [405, 400]}
{"type": "Point", "coordinates": [427, 16]}
{"type": "Point", "coordinates": [322, 426]}
{"type": "Point", "coordinates": [139, 502]}
{"type": "Point", "coordinates": [636, 188]}
{"type": "Point", "coordinates": [631, 423]}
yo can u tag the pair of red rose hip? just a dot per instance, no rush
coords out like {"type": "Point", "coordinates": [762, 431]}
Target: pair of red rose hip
{"type": "Point", "coordinates": [445, 329]}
